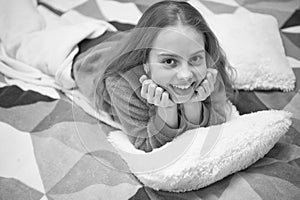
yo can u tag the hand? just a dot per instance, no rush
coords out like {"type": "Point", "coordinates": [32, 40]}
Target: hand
{"type": "Point", "coordinates": [206, 87]}
{"type": "Point", "coordinates": [155, 94]}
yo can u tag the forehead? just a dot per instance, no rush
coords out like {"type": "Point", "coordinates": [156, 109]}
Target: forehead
{"type": "Point", "coordinates": [179, 39]}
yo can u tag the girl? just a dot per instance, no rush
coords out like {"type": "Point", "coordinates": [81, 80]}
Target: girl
{"type": "Point", "coordinates": [162, 78]}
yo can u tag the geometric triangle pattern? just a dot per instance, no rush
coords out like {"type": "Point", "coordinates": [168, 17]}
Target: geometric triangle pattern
{"type": "Point", "coordinates": [18, 116]}
{"type": "Point", "coordinates": [291, 49]}
{"type": "Point", "coordinates": [293, 20]}
{"type": "Point", "coordinates": [17, 162]}
{"type": "Point", "coordinates": [67, 112]}
{"type": "Point", "coordinates": [50, 149]}
{"type": "Point", "coordinates": [98, 174]}
{"type": "Point", "coordinates": [291, 31]}
{"type": "Point", "coordinates": [281, 11]}
{"type": "Point", "coordinates": [293, 37]}
{"type": "Point", "coordinates": [11, 188]}
{"type": "Point", "coordinates": [14, 92]}
{"type": "Point", "coordinates": [91, 9]}
{"type": "Point", "coordinates": [60, 159]}
{"type": "Point", "coordinates": [219, 8]}
{"type": "Point", "coordinates": [238, 185]}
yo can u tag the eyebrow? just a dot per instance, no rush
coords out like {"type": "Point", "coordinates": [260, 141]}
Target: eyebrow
{"type": "Point", "coordinates": [200, 51]}
{"type": "Point", "coordinates": [177, 56]}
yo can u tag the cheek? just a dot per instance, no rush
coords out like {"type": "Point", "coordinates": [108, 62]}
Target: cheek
{"type": "Point", "coordinates": [200, 72]}
{"type": "Point", "coordinates": [160, 76]}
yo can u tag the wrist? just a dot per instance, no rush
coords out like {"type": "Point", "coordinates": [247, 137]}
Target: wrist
{"type": "Point", "coordinates": [192, 112]}
{"type": "Point", "coordinates": [165, 112]}
{"type": "Point", "coordinates": [169, 115]}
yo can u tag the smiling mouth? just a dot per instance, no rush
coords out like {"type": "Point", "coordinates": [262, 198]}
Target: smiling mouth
{"type": "Point", "coordinates": [183, 89]}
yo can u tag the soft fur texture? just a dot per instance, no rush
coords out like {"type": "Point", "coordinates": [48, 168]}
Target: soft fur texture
{"type": "Point", "coordinates": [203, 156]}
{"type": "Point", "coordinates": [254, 48]}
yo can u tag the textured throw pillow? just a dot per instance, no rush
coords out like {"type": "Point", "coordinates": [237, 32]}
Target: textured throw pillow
{"type": "Point", "coordinates": [203, 156]}
{"type": "Point", "coordinates": [254, 48]}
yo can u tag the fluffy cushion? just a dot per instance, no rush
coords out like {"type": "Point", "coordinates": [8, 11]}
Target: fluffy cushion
{"type": "Point", "coordinates": [203, 156]}
{"type": "Point", "coordinates": [254, 48]}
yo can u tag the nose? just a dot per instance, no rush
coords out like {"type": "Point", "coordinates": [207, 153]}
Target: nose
{"type": "Point", "coordinates": [184, 72]}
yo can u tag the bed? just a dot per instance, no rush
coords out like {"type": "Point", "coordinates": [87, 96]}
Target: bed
{"type": "Point", "coordinates": [52, 149]}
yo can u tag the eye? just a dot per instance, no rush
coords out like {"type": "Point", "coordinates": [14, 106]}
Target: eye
{"type": "Point", "coordinates": [170, 62]}
{"type": "Point", "coordinates": [196, 60]}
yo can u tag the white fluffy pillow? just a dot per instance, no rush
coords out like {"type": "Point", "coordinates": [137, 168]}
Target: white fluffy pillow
{"type": "Point", "coordinates": [254, 48]}
{"type": "Point", "coordinates": [203, 156]}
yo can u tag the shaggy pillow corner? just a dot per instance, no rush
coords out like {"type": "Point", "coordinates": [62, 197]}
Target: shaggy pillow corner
{"type": "Point", "coordinates": [203, 156]}
{"type": "Point", "coordinates": [254, 48]}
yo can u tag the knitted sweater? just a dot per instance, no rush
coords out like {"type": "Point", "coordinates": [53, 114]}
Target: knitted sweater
{"type": "Point", "coordinates": [124, 103]}
{"type": "Point", "coordinates": [145, 129]}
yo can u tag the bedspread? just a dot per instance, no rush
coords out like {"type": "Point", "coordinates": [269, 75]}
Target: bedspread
{"type": "Point", "coordinates": [51, 149]}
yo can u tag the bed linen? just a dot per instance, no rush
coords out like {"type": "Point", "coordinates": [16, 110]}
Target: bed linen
{"type": "Point", "coordinates": [52, 149]}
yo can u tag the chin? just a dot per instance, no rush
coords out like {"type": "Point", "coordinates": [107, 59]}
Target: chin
{"type": "Point", "coordinates": [180, 99]}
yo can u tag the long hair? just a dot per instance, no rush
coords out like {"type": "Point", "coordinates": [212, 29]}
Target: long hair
{"type": "Point", "coordinates": [134, 48]}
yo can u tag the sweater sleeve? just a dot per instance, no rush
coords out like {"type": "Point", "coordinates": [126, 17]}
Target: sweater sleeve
{"type": "Point", "coordinates": [214, 110]}
{"type": "Point", "coordinates": [220, 109]}
{"type": "Point", "coordinates": [145, 129]}
{"type": "Point", "coordinates": [205, 116]}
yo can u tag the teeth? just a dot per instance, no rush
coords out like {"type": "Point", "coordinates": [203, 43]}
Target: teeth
{"type": "Point", "coordinates": [182, 87]}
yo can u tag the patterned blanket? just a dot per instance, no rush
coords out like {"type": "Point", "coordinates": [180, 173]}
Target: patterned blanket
{"type": "Point", "coordinates": [51, 149]}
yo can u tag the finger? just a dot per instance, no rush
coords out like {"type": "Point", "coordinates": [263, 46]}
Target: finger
{"type": "Point", "coordinates": [213, 72]}
{"type": "Point", "coordinates": [151, 92]}
{"type": "Point", "coordinates": [165, 100]}
{"type": "Point", "coordinates": [143, 78]}
{"type": "Point", "coordinates": [145, 86]}
{"type": "Point", "coordinates": [158, 95]}
{"type": "Point", "coordinates": [211, 82]}
{"type": "Point", "coordinates": [200, 96]}
{"type": "Point", "coordinates": [206, 88]}
{"type": "Point", "coordinates": [168, 101]}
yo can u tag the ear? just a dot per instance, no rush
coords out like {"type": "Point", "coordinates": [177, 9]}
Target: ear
{"type": "Point", "coordinates": [146, 68]}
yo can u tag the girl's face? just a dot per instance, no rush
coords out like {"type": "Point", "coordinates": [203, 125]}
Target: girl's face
{"type": "Point", "coordinates": [177, 61]}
